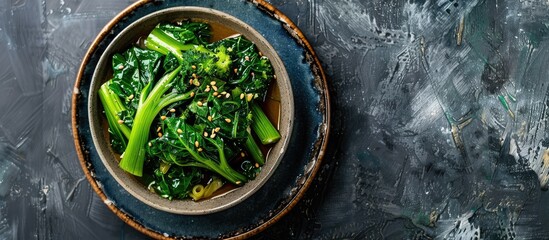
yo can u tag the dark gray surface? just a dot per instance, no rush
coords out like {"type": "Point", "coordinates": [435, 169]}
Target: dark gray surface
{"type": "Point", "coordinates": [421, 145]}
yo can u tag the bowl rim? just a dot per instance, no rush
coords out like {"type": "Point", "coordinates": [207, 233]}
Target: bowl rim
{"type": "Point", "coordinates": [186, 206]}
{"type": "Point", "coordinates": [320, 144]}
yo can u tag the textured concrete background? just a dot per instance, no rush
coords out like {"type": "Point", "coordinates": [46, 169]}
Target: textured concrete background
{"type": "Point", "coordinates": [439, 120]}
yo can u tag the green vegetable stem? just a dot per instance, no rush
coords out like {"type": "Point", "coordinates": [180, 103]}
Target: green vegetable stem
{"type": "Point", "coordinates": [254, 151]}
{"type": "Point", "coordinates": [113, 108]}
{"type": "Point", "coordinates": [134, 156]}
{"type": "Point", "coordinates": [261, 125]}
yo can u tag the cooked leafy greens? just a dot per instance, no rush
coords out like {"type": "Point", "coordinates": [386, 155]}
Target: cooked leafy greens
{"type": "Point", "coordinates": [183, 111]}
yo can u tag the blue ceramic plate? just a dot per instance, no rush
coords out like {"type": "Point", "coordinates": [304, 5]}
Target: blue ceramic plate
{"type": "Point", "coordinates": [296, 169]}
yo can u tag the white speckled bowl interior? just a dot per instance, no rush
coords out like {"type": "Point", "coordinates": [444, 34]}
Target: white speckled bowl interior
{"type": "Point", "coordinates": [125, 39]}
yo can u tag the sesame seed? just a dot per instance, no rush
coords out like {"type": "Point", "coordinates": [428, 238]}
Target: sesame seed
{"type": "Point", "coordinates": [179, 131]}
{"type": "Point", "coordinates": [192, 94]}
{"type": "Point", "coordinates": [214, 88]}
{"type": "Point", "coordinates": [158, 129]}
{"type": "Point", "coordinates": [196, 144]}
{"type": "Point", "coordinates": [172, 110]}
{"type": "Point", "coordinates": [247, 58]}
{"type": "Point", "coordinates": [238, 182]}
{"type": "Point", "coordinates": [213, 135]}
{"type": "Point", "coordinates": [210, 118]}
{"type": "Point", "coordinates": [150, 144]}
{"type": "Point", "coordinates": [205, 134]}
{"type": "Point", "coordinates": [274, 76]}
{"type": "Point", "coordinates": [223, 93]}
{"type": "Point", "coordinates": [194, 75]}
{"type": "Point", "coordinates": [200, 149]}
{"type": "Point", "coordinates": [235, 70]}
{"type": "Point", "coordinates": [131, 97]}
{"type": "Point", "coordinates": [212, 83]}
{"type": "Point", "coordinates": [249, 97]}
{"type": "Point", "coordinates": [163, 118]}
{"type": "Point", "coordinates": [193, 67]}
{"type": "Point", "coordinates": [121, 67]}
{"type": "Point", "coordinates": [199, 103]}
{"type": "Point", "coordinates": [215, 94]}
{"type": "Point", "coordinates": [242, 154]}
{"type": "Point", "coordinates": [120, 121]}
{"type": "Point", "coordinates": [227, 95]}
{"type": "Point", "coordinates": [257, 165]}
{"type": "Point", "coordinates": [190, 81]}
{"type": "Point", "coordinates": [217, 129]}
{"type": "Point", "coordinates": [227, 120]}
{"type": "Point", "coordinates": [207, 89]}
{"type": "Point", "coordinates": [242, 96]}
{"type": "Point", "coordinates": [159, 134]}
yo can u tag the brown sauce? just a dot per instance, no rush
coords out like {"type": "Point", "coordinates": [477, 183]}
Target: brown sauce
{"type": "Point", "coordinates": [271, 106]}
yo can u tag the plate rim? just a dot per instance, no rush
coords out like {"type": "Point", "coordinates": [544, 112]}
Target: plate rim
{"type": "Point", "coordinates": [321, 142]}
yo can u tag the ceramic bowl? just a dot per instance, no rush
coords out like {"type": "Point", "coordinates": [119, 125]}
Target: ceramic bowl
{"type": "Point", "coordinates": [129, 36]}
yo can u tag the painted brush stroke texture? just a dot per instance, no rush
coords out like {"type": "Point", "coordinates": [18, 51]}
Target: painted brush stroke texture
{"type": "Point", "coordinates": [440, 127]}
{"type": "Point", "coordinates": [440, 120]}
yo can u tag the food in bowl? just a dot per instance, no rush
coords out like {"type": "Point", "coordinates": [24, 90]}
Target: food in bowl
{"type": "Point", "coordinates": [182, 110]}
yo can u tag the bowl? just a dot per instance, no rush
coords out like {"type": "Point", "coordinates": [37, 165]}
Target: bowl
{"type": "Point", "coordinates": [280, 95]}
